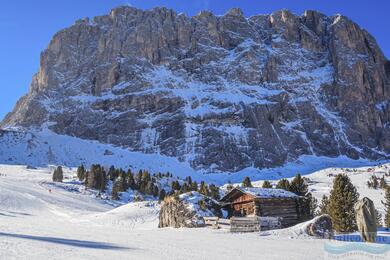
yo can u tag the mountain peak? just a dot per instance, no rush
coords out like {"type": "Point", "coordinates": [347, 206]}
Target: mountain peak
{"type": "Point", "coordinates": [218, 92]}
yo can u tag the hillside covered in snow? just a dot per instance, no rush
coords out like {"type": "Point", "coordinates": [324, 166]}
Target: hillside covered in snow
{"type": "Point", "coordinates": [45, 220]}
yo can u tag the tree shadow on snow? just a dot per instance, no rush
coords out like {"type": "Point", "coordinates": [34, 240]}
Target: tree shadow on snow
{"type": "Point", "coordinates": [69, 242]}
{"type": "Point", "coordinates": [13, 214]}
{"type": "Point", "coordinates": [7, 215]}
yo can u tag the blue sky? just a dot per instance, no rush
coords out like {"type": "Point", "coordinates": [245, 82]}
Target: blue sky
{"type": "Point", "coordinates": [26, 27]}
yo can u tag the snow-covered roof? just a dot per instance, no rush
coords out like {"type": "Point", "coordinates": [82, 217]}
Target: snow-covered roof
{"type": "Point", "coordinates": [268, 193]}
{"type": "Point", "coordinates": [261, 193]}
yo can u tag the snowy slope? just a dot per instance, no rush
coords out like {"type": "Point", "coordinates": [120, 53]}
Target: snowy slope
{"type": "Point", "coordinates": [68, 224]}
{"type": "Point", "coordinates": [42, 148]}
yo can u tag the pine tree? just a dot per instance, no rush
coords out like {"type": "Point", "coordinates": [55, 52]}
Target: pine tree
{"type": "Point", "coordinates": [96, 178]}
{"type": "Point", "coordinates": [189, 180]}
{"type": "Point", "coordinates": [194, 186]}
{"type": "Point", "coordinates": [123, 175]}
{"type": "Point", "coordinates": [162, 195]}
{"type": "Point", "coordinates": [382, 183]}
{"type": "Point", "coordinates": [175, 185]}
{"type": "Point", "coordinates": [184, 188]}
{"type": "Point", "coordinates": [246, 183]}
{"type": "Point", "coordinates": [155, 191]}
{"type": "Point", "coordinates": [204, 189]}
{"type": "Point", "coordinates": [81, 173]}
{"type": "Point", "coordinates": [373, 182]}
{"type": "Point", "coordinates": [298, 185]}
{"type": "Point", "coordinates": [267, 185]}
{"type": "Point", "coordinates": [150, 188]}
{"type": "Point", "coordinates": [146, 176]}
{"type": "Point", "coordinates": [116, 188]}
{"type": "Point", "coordinates": [214, 192]}
{"type": "Point", "coordinates": [112, 173]}
{"type": "Point", "coordinates": [341, 204]}
{"type": "Point", "coordinates": [229, 187]}
{"type": "Point", "coordinates": [86, 179]}
{"type": "Point", "coordinates": [138, 180]}
{"type": "Point", "coordinates": [283, 184]}
{"type": "Point", "coordinates": [324, 206]}
{"type": "Point", "coordinates": [312, 205]}
{"type": "Point", "coordinates": [130, 180]}
{"type": "Point", "coordinates": [102, 179]}
{"type": "Point", "coordinates": [386, 203]}
{"type": "Point", "coordinates": [58, 175]}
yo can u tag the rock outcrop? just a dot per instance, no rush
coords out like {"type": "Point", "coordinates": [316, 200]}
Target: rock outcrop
{"type": "Point", "coordinates": [320, 227]}
{"type": "Point", "coordinates": [175, 213]}
{"type": "Point", "coordinates": [220, 92]}
{"type": "Point", "coordinates": [186, 210]}
{"type": "Point", "coordinates": [366, 219]}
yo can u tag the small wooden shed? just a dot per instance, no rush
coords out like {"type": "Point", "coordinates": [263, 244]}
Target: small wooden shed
{"type": "Point", "coordinates": [241, 202]}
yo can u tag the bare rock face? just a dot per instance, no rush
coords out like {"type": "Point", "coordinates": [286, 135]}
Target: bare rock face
{"type": "Point", "coordinates": [220, 92]}
{"type": "Point", "coordinates": [321, 227]}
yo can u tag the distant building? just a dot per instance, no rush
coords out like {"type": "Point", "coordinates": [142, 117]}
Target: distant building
{"type": "Point", "coordinates": [241, 202]}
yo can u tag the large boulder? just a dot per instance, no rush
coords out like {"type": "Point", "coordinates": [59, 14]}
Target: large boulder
{"type": "Point", "coordinates": [186, 210]}
{"type": "Point", "coordinates": [321, 227]}
{"type": "Point", "coordinates": [174, 213]}
{"type": "Point", "coordinates": [366, 219]}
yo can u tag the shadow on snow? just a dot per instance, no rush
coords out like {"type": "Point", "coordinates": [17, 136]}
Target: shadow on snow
{"type": "Point", "coordinates": [69, 242]}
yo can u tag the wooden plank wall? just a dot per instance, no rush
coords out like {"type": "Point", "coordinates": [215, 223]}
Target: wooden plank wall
{"type": "Point", "coordinates": [283, 208]}
{"type": "Point", "coordinates": [248, 224]}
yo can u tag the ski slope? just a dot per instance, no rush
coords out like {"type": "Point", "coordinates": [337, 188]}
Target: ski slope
{"type": "Point", "coordinates": [68, 223]}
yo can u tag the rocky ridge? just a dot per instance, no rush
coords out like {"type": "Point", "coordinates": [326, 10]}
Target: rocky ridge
{"type": "Point", "coordinates": [220, 92]}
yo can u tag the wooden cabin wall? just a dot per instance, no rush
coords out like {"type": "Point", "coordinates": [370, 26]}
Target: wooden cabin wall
{"type": "Point", "coordinates": [284, 208]}
{"type": "Point", "coordinates": [243, 205]}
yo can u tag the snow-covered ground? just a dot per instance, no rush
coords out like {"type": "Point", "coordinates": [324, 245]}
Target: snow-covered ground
{"type": "Point", "coordinates": [69, 223]}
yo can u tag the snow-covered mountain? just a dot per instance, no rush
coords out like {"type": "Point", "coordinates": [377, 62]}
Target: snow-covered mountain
{"type": "Point", "coordinates": [216, 93]}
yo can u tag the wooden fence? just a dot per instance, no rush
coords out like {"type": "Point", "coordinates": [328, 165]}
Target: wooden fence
{"type": "Point", "coordinates": [244, 224]}
{"type": "Point", "coordinates": [216, 223]}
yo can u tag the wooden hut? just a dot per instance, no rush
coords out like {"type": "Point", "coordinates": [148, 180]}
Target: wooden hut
{"type": "Point", "coordinates": [241, 202]}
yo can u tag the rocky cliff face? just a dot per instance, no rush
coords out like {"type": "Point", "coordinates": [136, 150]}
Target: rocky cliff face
{"type": "Point", "coordinates": [220, 92]}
